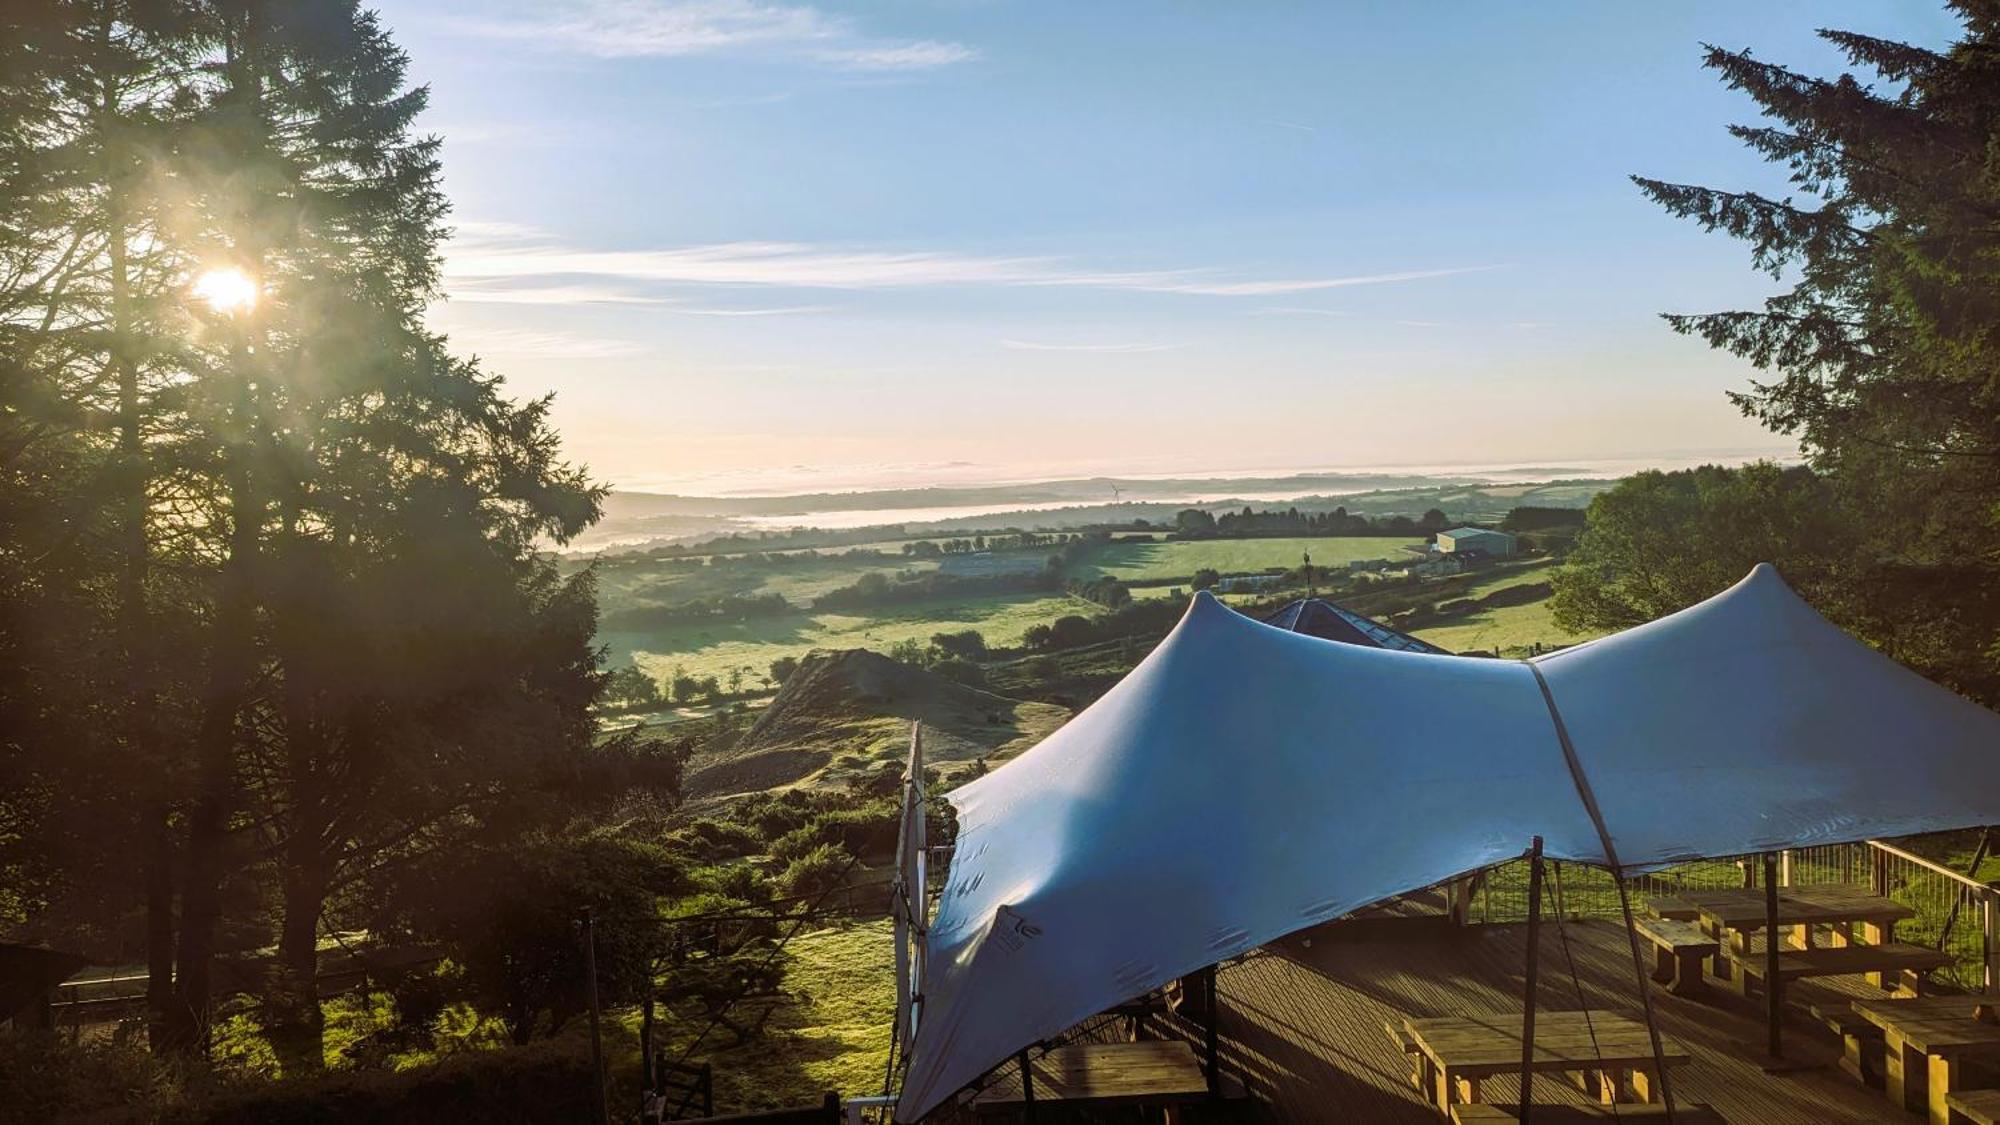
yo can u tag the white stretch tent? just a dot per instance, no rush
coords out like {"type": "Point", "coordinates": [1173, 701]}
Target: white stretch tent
{"type": "Point", "coordinates": [1244, 782]}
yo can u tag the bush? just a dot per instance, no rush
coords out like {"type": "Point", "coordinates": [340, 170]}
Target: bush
{"type": "Point", "coordinates": [772, 817]}
{"type": "Point", "coordinates": [709, 840]}
{"type": "Point", "coordinates": [509, 917]}
{"type": "Point", "coordinates": [545, 1081]}
{"type": "Point", "coordinates": [961, 671]}
{"type": "Point", "coordinates": [44, 1078]}
{"type": "Point", "coordinates": [869, 830]}
{"type": "Point", "coordinates": [821, 869]}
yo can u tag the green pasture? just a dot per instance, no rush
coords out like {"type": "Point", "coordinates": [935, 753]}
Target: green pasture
{"type": "Point", "coordinates": [1149, 561]}
{"type": "Point", "coordinates": [828, 1030]}
{"type": "Point", "coordinates": [1507, 631]}
{"type": "Point", "coordinates": [714, 649]}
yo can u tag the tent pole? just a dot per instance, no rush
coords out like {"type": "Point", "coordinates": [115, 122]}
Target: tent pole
{"type": "Point", "coordinates": [1773, 987]}
{"type": "Point", "coordinates": [1528, 997]}
{"type": "Point", "coordinates": [1027, 1089]}
{"type": "Point", "coordinates": [1211, 1033]}
{"type": "Point", "coordinates": [1589, 799]}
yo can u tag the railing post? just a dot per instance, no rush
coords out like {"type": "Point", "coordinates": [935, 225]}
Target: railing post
{"type": "Point", "coordinates": [1878, 870]}
{"type": "Point", "coordinates": [1989, 913]}
{"type": "Point", "coordinates": [1785, 868]}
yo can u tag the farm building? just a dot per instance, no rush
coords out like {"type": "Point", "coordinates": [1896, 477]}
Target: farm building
{"type": "Point", "coordinates": [1497, 544]}
{"type": "Point", "coordinates": [1202, 890]}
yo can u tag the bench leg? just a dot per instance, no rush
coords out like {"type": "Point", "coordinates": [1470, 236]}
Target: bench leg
{"type": "Point", "coordinates": [1663, 965]}
{"type": "Point", "coordinates": [1905, 1074]}
{"type": "Point", "coordinates": [1687, 975]}
{"type": "Point", "coordinates": [1943, 1083]}
{"type": "Point", "coordinates": [1468, 1090]}
{"type": "Point", "coordinates": [1858, 1059]}
{"type": "Point", "coordinates": [1872, 934]}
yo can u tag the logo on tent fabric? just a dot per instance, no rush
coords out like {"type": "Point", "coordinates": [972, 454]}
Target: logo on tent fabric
{"type": "Point", "coordinates": [1011, 931]}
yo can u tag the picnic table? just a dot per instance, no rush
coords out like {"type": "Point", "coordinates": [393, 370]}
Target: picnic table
{"type": "Point", "coordinates": [1924, 1041]}
{"type": "Point", "coordinates": [1150, 1072]}
{"type": "Point", "coordinates": [1603, 1053]}
{"type": "Point", "coordinates": [1860, 932]}
{"type": "Point", "coordinates": [1740, 911]}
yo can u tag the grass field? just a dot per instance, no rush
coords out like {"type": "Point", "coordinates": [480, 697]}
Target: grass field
{"type": "Point", "coordinates": [1163, 561]}
{"type": "Point", "coordinates": [1508, 630]}
{"type": "Point", "coordinates": [712, 650]}
{"type": "Point", "coordinates": [830, 1032]}
{"type": "Point", "coordinates": [630, 584]}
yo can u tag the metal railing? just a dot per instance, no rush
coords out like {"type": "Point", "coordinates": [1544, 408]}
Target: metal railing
{"type": "Point", "coordinates": [1955, 912]}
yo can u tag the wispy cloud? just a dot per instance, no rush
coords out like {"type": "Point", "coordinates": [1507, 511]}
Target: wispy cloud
{"type": "Point", "coordinates": [489, 259]}
{"type": "Point", "coordinates": [787, 310]}
{"type": "Point", "coordinates": [622, 29]}
{"type": "Point", "coordinates": [1297, 310]}
{"type": "Point", "coordinates": [1032, 346]}
{"type": "Point", "coordinates": [522, 341]}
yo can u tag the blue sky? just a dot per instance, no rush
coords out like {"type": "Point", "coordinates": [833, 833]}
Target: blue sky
{"type": "Point", "coordinates": [762, 244]}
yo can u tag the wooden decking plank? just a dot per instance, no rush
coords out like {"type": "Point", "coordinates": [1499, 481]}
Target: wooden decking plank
{"type": "Point", "coordinates": [1303, 1018]}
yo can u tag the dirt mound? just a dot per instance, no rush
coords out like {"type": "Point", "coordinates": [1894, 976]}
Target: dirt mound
{"type": "Point", "coordinates": [845, 713]}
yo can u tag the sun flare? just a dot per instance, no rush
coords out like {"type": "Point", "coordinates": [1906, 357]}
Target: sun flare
{"type": "Point", "coordinates": [227, 290]}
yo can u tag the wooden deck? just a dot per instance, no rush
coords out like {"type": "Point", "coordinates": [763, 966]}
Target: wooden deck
{"type": "Point", "coordinates": [1303, 1022]}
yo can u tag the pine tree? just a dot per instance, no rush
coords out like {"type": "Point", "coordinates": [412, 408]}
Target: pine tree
{"type": "Point", "coordinates": [1882, 355]}
{"type": "Point", "coordinates": [386, 504]}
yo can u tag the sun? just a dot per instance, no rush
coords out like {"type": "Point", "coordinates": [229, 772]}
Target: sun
{"type": "Point", "coordinates": [227, 290]}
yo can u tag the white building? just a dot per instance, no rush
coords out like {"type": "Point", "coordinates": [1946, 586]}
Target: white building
{"type": "Point", "coordinates": [1496, 544]}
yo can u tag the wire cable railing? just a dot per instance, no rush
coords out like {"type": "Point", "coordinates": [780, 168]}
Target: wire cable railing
{"type": "Point", "coordinates": [1954, 911]}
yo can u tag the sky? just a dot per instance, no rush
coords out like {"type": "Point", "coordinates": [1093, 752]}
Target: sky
{"type": "Point", "coordinates": [755, 245]}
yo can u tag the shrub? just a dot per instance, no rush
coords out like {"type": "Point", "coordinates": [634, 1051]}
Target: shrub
{"type": "Point", "coordinates": [772, 817]}
{"type": "Point", "coordinates": [869, 830]}
{"type": "Point", "coordinates": [821, 869]}
{"type": "Point", "coordinates": [44, 1078]}
{"type": "Point", "coordinates": [508, 916]}
{"type": "Point", "coordinates": [545, 1081]}
{"type": "Point", "coordinates": [709, 840]}
{"type": "Point", "coordinates": [961, 671]}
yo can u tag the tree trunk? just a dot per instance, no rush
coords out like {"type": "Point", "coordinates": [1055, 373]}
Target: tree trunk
{"type": "Point", "coordinates": [231, 668]}
{"type": "Point", "coordinates": [292, 1018]}
{"type": "Point", "coordinates": [234, 655]}
{"type": "Point", "coordinates": [132, 482]}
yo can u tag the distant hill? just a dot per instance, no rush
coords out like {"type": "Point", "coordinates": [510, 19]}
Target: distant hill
{"type": "Point", "coordinates": [845, 713]}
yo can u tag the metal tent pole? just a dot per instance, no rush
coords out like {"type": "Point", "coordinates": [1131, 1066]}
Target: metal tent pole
{"type": "Point", "coordinates": [1528, 998]}
{"type": "Point", "coordinates": [1027, 1089]}
{"type": "Point", "coordinates": [1212, 1033]}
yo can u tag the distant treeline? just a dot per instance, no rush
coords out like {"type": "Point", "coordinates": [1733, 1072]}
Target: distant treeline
{"type": "Point", "coordinates": [1199, 523]}
{"type": "Point", "coordinates": [998, 541]}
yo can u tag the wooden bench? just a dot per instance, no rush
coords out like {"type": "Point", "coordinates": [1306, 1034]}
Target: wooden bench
{"type": "Point", "coordinates": [1410, 1049]}
{"type": "Point", "coordinates": [1980, 1107]}
{"type": "Point", "coordinates": [1861, 1047]}
{"type": "Point", "coordinates": [1908, 961]}
{"type": "Point", "coordinates": [1679, 949]}
{"type": "Point", "coordinates": [1467, 1113]}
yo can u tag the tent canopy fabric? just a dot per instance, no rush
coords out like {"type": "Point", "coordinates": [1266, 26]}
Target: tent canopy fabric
{"type": "Point", "coordinates": [1244, 782]}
